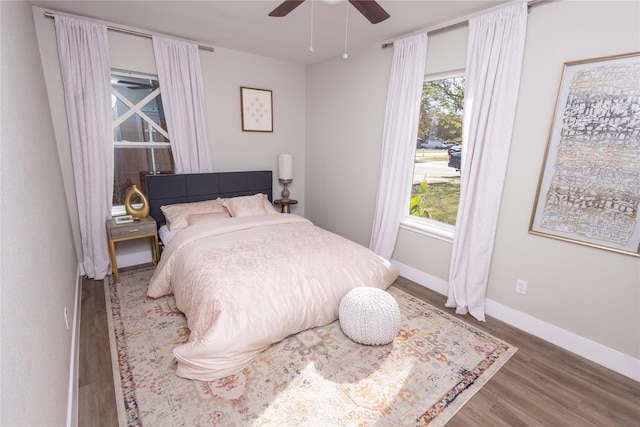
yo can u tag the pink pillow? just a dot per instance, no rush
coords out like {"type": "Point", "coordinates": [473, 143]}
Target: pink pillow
{"type": "Point", "coordinates": [198, 218]}
{"type": "Point", "coordinates": [268, 206]}
{"type": "Point", "coordinates": [246, 205]}
{"type": "Point", "coordinates": [176, 215]}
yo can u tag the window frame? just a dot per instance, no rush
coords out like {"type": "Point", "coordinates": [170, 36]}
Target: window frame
{"type": "Point", "coordinates": [117, 210]}
{"type": "Point", "coordinates": [427, 226]}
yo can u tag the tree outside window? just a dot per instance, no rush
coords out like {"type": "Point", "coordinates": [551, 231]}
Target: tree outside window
{"type": "Point", "coordinates": [435, 188]}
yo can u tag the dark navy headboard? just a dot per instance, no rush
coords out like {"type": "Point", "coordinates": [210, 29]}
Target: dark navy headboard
{"type": "Point", "coordinates": [184, 188]}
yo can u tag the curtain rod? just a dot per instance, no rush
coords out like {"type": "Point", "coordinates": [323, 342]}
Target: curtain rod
{"type": "Point", "coordinates": [132, 32]}
{"type": "Point", "coordinates": [456, 22]}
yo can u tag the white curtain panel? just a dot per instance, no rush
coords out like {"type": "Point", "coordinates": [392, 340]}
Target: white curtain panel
{"type": "Point", "coordinates": [399, 140]}
{"type": "Point", "coordinates": [494, 63]}
{"type": "Point", "coordinates": [83, 51]}
{"type": "Point", "coordinates": [182, 91]}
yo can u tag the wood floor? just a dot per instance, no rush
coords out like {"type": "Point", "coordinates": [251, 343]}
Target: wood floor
{"type": "Point", "coordinates": [542, 385]}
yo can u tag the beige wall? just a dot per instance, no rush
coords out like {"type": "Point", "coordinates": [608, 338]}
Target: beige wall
{"type": "Point", "coordinates": [591, 292]}
{"type": "Point", "coordinates": [224, 72]}
{"type": "Point", "coordinates": [583, 298]}
{"type": "Point", "coordinates": [345, 113]}
{"type": "Point", "coordinates": [39, 272]}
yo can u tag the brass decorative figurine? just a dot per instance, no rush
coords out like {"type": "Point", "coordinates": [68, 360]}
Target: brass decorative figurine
{"type": "Point", "coordinates": [141, 212]}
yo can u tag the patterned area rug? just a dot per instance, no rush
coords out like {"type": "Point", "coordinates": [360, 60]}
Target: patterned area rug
{"type": "Point", "coordinates": [315, 378]}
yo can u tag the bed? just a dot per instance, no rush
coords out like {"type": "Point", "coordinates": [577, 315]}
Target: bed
{"type": "Point", "coordinates": [246, 276]}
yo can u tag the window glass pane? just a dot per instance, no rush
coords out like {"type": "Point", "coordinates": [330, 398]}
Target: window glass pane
{"type": "Point", "coordinates": [132, 164]}
{"type": "Point", "coordinates": [145, 119]}
{"type": "Point", "coordinates": [134, 128]}
{"type": "Point", "coordinates": [436, 176]}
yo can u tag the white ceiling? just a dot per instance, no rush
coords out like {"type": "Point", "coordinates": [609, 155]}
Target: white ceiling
{"type": "Point", "coordinates": [244, 25]}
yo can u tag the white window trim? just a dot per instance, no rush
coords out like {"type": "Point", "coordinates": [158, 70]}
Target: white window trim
{"type": "Point", "coordinates": [425, 226]}
{"type": "Point", "coordinates": [117, 210]}
{"type": "Point", "coordinates": [143, 144]}
{"type": "Point", "coordinates": [428, 227]}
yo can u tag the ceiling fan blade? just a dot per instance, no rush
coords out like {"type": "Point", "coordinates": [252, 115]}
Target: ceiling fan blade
{"type": "Point", "coordinates": [371, 10]}
{"type": "Point", "coordinates": [285, 7]}
{"type": "Point", "coordinates": [136, 85]}
{"type": "Point", "coordinates": [126, 82]}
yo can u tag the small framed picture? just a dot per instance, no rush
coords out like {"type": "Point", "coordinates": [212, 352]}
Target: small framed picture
{"type": "Point", "coordinates": [257, 110]}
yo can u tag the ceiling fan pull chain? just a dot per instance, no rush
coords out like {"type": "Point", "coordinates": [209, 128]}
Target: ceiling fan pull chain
{"type": "Point", "coordinates": [345, 55]}
{"type": "Point", "coordinates": [311, 50]}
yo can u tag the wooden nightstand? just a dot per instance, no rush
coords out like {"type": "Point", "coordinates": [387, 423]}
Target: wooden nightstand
{"type": "Point", "coordinates": [145, 227]}
{"type": "Point", "coordinates": [286, 205]}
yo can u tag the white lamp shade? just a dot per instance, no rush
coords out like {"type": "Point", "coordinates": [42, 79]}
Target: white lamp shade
{"type": "Point", "coordinates": [285, 166]}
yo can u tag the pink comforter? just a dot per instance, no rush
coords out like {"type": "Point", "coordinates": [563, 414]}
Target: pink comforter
{"type": "Point", "coordinates": [246, 283]}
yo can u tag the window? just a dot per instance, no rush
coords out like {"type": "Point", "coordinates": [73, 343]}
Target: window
{"type": "Point", "coordinates": [435, 189]}
{"type": "Point", "coordinates": [140, 139]}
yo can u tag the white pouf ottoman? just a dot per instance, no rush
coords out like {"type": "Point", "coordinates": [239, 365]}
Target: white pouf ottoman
{"type": "Point", "coordinates": [369, 316]}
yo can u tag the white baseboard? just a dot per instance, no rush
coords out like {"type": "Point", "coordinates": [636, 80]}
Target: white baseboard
{"type": "Point", "coordinates": [74, 365]}
{"type": "Point", "coordinates": [596, 352]}
{"type": "Point", "coordinates": [422, 278]}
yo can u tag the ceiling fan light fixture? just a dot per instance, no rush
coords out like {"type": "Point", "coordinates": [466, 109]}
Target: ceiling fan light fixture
{"type": "Point", "coordinates": [345, 55]}
{"type": "Point", "coordinates": [370, 9]}
{"type": "Point", "coordinates": [311, 49]}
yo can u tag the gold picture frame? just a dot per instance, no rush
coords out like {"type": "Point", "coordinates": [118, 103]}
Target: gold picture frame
{"type": "Point", "coordinates": [589, 187]}
{"type": "Point", "coordinates": [256, 107]}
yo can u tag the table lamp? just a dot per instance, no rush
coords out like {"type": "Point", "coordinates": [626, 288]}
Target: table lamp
{"type": "Point", "coordinates": [285, 174]}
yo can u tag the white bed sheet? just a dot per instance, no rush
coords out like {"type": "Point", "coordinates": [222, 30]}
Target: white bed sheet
{"type": "Point", "coordinates": [166, 235]}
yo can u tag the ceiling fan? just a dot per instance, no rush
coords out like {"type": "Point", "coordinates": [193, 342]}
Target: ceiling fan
{"type": "Point", "coordinates": [369, 8]}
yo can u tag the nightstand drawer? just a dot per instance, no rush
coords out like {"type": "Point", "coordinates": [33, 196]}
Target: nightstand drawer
{"type": "Point", "coordinates": [136, 228]}
{"type": "Point", "coordinates": [132, 230]}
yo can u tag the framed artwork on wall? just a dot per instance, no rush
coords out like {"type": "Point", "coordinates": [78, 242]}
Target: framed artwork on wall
{"type": "Point", "coordinates": [257, 110]}
{"type": "Point", "coordinates": [589, 188]}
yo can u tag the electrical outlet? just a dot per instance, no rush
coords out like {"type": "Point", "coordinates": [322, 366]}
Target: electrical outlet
{"type": "Point", "coordinates": [66, 318]}
{"type": "Point", "coordinates": [521, 287]}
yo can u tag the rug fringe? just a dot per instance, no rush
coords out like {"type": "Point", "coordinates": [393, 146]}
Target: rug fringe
{"type": "Point", "coordinates": [115, 366]}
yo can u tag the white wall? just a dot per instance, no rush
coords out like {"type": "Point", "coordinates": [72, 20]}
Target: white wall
{"type": "Point", "coordinates": [39, 274]}
{"type": "Point", "coordinates": [224, 72]}
{"type": "Point", "coordinates": [583, 298]}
